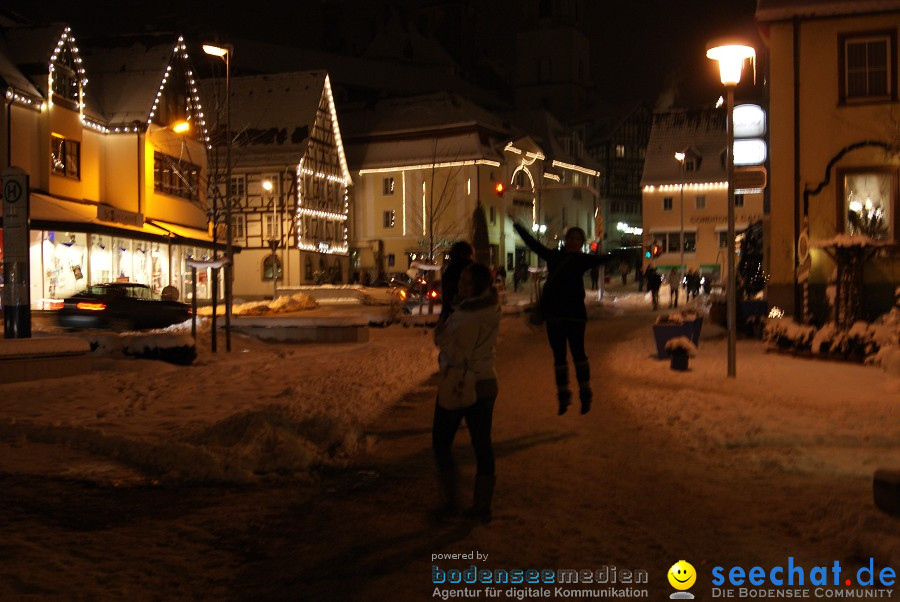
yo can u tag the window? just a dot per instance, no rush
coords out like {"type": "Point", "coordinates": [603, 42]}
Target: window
{"type": "Point", "coordinates": [238, 225]}
{"type": "Point", "coordinates": [723, 240]}
{"type": "Point", "coordinates": [175, 177]}
{"type": "Point", "coordinates": [520, 179]}
{"type": "Point", "coordinates": [268, 262]}
{"type": "Point", "coordinates": [493, 215]}
{"type": "Point", "coordinates": [869, 204]}
{"type": "Point", "coordinates": [65, 157]}
{"type": "Point", "coordinates": [691, 164]}
{"type": "Point", "coordinates": [271, 228]}
{"type": "Point", "coordinates": [391, 260]}
{"type": "Point", "coordinates": [700, 201]}
{"type": "Point", "coordinates": [388, 219]}
{"type": "Point", "coordinates": [673, 242]}
{"type": "Point", "coordinates": [690, 242]}
{"type": "Point", "coordinates": [667, 203]}
{"type": "Point", "coordinates": [738, 200]}
{"type": "Point", "coordinates": [620, 151]}
{"type": "Point", "coordinates": [387, 186]}
{"type": "Point", "coordinates": [865, 67]}
{"type": "Point", "coordinates": [238, 187]}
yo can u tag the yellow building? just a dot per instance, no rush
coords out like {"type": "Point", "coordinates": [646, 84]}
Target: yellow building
{"type": "Point", "coordinates": [691, 197]}
{"type": "Point", "coordinates": [116, 194]}
{"type": "Point", "coordinates": [833, 70]}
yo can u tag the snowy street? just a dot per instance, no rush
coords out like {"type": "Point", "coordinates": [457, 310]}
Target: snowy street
{"type": "Point", "coordinates": [304, 472]}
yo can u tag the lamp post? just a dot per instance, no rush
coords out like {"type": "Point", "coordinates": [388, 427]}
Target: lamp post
{"type": "Point", "coordinates": [275, 241]}
{"type": "Point", "coordinates": [680, 158]}
{"type": "Point", "coordinates": [731, 56]}
{"type": "Point", "coordinates": [225, 53]}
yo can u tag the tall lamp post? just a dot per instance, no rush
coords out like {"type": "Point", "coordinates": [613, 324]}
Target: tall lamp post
{"type": "Point", "coordinates": [275, 240]}
{"type": "Point", "coordinates": [731, 56]}
{"type": "Point", "coordinates": [225, 53]}
{"type": "Point", "coordinates": [680, 158]}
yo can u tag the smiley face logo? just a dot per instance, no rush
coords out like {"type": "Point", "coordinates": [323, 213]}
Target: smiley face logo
{"type": "Point", "coordinates": [682, 575]}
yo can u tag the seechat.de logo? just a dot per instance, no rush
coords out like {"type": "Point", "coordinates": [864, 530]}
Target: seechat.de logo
{"type": "Point", "coordinates": [682, 577]}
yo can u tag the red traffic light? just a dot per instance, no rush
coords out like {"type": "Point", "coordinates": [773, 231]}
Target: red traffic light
{"type": "Point", "coordinates": [499, 188]}
{"type": "Point", "coordinates": [594, 246]}
{"type": "Point", "coordinates": [656, 250]}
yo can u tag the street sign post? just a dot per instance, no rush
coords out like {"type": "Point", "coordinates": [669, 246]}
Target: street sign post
{"type": "Point", "coordinates": [16, 264]}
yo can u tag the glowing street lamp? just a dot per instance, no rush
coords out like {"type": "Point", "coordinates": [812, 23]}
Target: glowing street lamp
{"type": "Point", "coordinates": [225, 53]}
{"type": "Point", "coordinates": [181, 127]}
{"type": "Point", "coordinates": [731, 56]}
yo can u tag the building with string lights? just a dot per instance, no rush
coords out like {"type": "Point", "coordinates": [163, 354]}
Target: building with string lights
{"type": "Point", "coordinates": [691, 202]}
{"type": "Point", "coordinates": [114, 142]}
{"type": "Point", "coordinates": [289, 183]}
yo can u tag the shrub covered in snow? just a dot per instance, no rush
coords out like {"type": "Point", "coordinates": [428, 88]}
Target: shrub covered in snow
{"type": "Point", "coordinates": [681, 344]}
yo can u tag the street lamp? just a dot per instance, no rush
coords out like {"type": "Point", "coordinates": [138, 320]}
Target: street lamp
{"type": "Point", "coordinates": [225, 53]}
{"type": "Point", "coordinates": [275, 241]}
{"type": "Point", "coordinates": [731, 56]}
{"type": "Point", "coordinates": [680, 158]}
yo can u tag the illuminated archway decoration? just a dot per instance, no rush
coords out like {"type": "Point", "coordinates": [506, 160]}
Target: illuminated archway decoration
{"type": "Point", "coordinates": [523, 167]}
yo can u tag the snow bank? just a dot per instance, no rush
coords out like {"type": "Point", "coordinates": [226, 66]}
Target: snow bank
{"type": "Point", "coordinates": [283, 304]}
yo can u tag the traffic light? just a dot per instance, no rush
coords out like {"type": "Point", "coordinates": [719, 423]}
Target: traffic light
{"type": "Point", "coordinates": [656, 250]}
{"type": "Point", "coordinates": [499, 189]}
{"type": "Point", "coordinates": [594, 246]}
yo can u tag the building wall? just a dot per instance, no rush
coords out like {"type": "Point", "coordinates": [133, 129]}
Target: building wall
{"type": "Point", "coordinates": [25, 123]}
{"type": "Point", "coordinates": [826, 127]}
{"type": "Point", "coordinates": [122, 158]}
{"type": "Point", "coordinates": [705, 224]}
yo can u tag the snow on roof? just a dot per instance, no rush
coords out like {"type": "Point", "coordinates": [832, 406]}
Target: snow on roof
{"type": "Point", "coordinates": [776, 10]}
{"type": "Point", "coordinates": [703, 131]}
{"type": "Point", "coordinates": [123, 80]}
{"type": "Point", "coordinates": [11, 76]}
{"type": "Point", "coordinates": [274, 110]}
{"type": "Point", "coordinates": [435, 147]}
{"type": "Point", "coordinates": [30, 49]}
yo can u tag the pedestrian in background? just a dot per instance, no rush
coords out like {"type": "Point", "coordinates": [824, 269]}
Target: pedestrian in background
{"type": "Point", "coordinates": [468, 339]}
{"type": "Point", "coordinates": [562, 304]}
{"type": "Point", "coordinates": [654, 281]}
{"type": "Point", "coordinates": [674, 285]}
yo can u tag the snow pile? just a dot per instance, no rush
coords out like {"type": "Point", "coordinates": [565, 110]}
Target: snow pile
{"type": "Point", "coordinates": [169, 345]}
{"type": "Point", "coordinates": [281, 305]}
{"type": "Point", "coordinates": [259, 412]}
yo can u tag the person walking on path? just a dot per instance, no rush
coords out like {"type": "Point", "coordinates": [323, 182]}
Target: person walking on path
{"type": "Point", "coordinates": [562, 304]}
{"type": "Point", "coordinates": [461, 255]}
{"type": "Point", "coordinates": [624, 268]}
{"type": "Point", "coordinates": [654, 281]}
{"type": "Point", "coordinates": [468, 338]}
{"type": "Point", "coordinates": [674, 285]}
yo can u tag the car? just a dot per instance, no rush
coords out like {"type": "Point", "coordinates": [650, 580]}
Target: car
{"type": "Point", "coordinates": [120, 306]}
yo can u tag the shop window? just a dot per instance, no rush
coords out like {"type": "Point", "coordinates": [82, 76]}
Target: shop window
{"type": "Point", "coordinates": [176, 177]}
{"type": "Point", "coordinates": [65, 157]}
{"type": "Point", "coordinates": [869, 206]}
{"type": "Point", "coordinates": [866, 69]}
{"type": "Point", "coordinates": [268, 262]}
{"type": "Point", "coordinates": [667, 203]}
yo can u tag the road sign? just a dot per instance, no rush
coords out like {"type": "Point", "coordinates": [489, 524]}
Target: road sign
{"type": "Point", "coordinates": [16, 258]}
{"type": "Point", "coordinates": [749, 179]}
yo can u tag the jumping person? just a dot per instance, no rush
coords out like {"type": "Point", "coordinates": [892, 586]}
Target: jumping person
{"type": "Point", "coordinates": [562, 303]}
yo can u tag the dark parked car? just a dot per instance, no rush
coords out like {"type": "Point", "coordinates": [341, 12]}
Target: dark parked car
{"type": "Point", "coordinates": [120, 306]}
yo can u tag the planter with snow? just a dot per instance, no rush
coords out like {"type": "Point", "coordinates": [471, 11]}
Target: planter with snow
{"type": "Point", "coordinates": [680, 349]}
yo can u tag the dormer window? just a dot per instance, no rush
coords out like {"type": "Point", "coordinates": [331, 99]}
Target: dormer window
{"type": "Point", "coordinates": [65, 75]}
{"type": "Point", "coordinates": [173, 104]}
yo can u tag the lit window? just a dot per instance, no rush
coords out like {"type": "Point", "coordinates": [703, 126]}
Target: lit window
{"type": "Point", "coordinates": [238, 222]}
{"type": "Point", "coordinates": [868, 205]}
{"type": "Point", "coordinates": [271, 228]}
{"type": "Point", "coordinates": [667, 203]}
{"type": "Point", "coordinates": [867, 68]}
{"type": "Point", "coordinates": [389, 218]}
{"type": "Point", "coordinates": [65, 157]}
{"type": "Point", "coordinates": [620, 151]}
{"type": "Point", "coordinates": [175, 177]}
{"type": "Point", "coordinates": [268, 262]}
{"type": "Point", "coordinates": [387, 186]}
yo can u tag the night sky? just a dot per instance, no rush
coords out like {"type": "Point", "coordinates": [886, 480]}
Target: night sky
{"type": "Point", "coordinates": [640, 47]}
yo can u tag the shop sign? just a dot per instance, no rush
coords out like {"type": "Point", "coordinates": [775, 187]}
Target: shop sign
{"type": "Point", "coordinates": [105, 213]}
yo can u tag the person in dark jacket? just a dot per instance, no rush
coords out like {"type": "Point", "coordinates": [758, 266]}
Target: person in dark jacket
{"type": "Point", "coordinates": [461, 254]}
{"type": "Point", "coordinates": [654, 281]}
{"type": "Point", "coordinates": [562, 303]}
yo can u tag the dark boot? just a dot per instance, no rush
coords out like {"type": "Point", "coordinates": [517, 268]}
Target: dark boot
{"type": "Point", "coordinates": [563, 395]}
{"type": "Point", "coordinates": [481, 501]}
{"type": "Point", "coordinates": [449, 505]}
{"type": "Point", "coordinates": [583, 374]}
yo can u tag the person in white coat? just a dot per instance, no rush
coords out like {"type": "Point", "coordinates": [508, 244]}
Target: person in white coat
{"type": "Point", "coordinates": [468, 338]}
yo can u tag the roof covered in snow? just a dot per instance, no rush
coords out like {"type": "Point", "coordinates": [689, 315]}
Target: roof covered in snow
{"type": "Point", "coordinates": [702, 132]}
{"type": "Point", "coordinates": [27, 53]}
{"type": "Point", "coordinates": [777, 10]}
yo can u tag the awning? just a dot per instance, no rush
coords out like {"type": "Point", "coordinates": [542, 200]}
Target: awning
{"type": "Point", "coordinates": [50, 213]}
{"type": "Point", "coordinates": [194, 236]}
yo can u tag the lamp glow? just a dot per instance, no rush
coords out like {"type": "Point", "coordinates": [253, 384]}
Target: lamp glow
{"type": "Point", "coordinates": [214, 50]}
{"type": "Point", "coordinates": [181, 127]}
{"type": "Point", "coordinates": [731, 57]}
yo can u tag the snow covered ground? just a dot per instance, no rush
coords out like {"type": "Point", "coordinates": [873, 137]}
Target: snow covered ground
{"type": "Point", "coordinates": [280, 413]}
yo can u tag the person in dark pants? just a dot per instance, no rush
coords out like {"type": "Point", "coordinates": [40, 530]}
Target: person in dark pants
{"type": "Point", "coordinates": [468, 338]}
{"type": "Point", "coordinates": [562, 303]}
{"type": "Point", "coordinates": [654, 281]}
{"type": "Point", "coordinates": [461, 254]}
